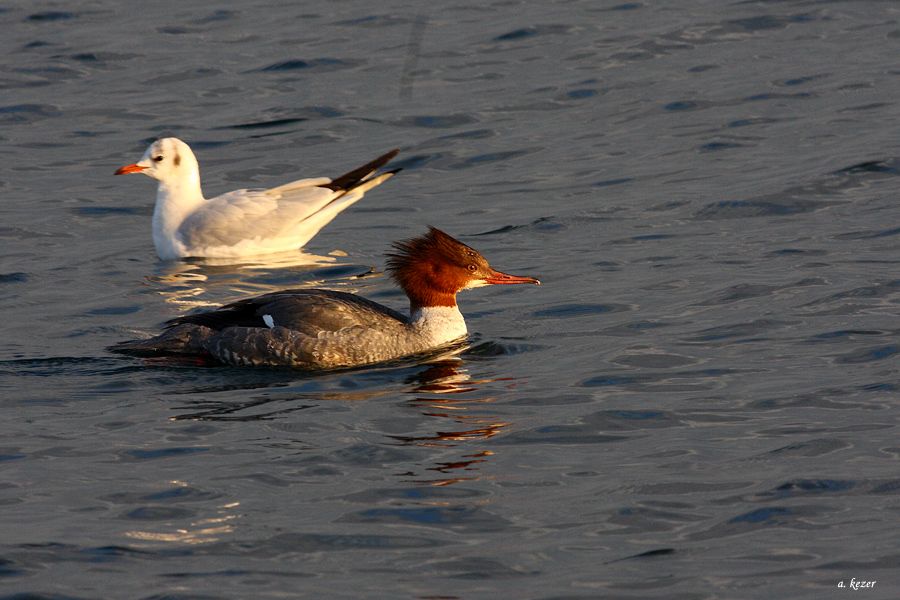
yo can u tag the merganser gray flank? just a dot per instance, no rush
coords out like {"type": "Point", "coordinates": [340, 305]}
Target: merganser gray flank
{"type": "Point", "coordinates": [327, 329]}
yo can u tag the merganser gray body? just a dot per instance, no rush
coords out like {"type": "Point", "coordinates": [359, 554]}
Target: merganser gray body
{"type": "Point", "coordinates": [327, 329]}
{"type": "Point", "coordinates": [243, 222]}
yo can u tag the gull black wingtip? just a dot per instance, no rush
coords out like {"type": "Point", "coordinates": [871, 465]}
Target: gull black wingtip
{"type": "Point", "coordinates": [353, 178]}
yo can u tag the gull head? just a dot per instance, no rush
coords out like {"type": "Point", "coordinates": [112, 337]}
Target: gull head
{"type": "Point", "coordinates": [167, 159]}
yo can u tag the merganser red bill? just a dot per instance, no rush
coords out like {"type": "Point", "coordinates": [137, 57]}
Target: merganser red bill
{"type": "Point", "coordinates": [327, 329]}
{"type": "Point", "coordinates": [247, 222]}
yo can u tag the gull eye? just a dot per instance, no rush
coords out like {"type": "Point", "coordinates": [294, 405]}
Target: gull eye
{"type": "Point", "coordinates": [158, 158]}
{"type": "Point", "coordinates": [471, 268]}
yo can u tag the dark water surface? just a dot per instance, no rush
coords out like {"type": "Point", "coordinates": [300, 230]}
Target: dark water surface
{"type": "Point", "coordinates": [700, 401]}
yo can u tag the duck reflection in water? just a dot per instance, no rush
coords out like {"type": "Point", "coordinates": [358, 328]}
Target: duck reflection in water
{"type": "Point", "coordinates": [455, 407]}
{"type": "Point", "coordinates": [453, 397]}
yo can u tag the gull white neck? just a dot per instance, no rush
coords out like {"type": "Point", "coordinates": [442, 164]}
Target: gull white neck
{"type": "Point", "coordinates": [175, 201]}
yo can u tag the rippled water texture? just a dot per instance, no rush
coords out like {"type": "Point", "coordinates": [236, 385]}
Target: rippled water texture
{"type": "Point", "coordinates": [700, 402]}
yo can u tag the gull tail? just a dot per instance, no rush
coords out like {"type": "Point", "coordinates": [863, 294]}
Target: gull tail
{"type": "Point", "coordinates": [349, 188]}
{"type": "Point", "coordinates": [369, 182]}
{"type": "Point", "coordinates": [364, 175]}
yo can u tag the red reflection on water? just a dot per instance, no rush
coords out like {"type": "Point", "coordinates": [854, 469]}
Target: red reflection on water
{"type": "Point", "coordinates": [452, 398]}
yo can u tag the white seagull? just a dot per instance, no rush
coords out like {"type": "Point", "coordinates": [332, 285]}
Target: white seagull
{"type": "Point", "coordinates": [243, 222]}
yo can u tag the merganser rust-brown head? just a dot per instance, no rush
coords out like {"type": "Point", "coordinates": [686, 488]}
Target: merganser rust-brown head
{"type": "Point", "coordinates": [432, 268]}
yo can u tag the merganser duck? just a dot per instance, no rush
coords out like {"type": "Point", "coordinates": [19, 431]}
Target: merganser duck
{"type": "Point", "coordinates": [327, 329]}
{"type": "Point", "coordinates": [243, 222]}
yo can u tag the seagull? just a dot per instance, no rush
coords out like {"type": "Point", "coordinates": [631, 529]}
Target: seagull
{"type": "Point", "coordinates": [246, 222]}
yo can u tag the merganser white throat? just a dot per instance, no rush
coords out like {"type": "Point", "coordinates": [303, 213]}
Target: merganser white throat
{"type": "Point", "coordinates": [246, 222]}
{"type": "Point", "coordinates": [327, 329]}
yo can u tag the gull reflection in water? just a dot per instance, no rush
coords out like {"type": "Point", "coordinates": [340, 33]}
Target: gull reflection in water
{"type": "Point", "coordinates": [204, 530]}
{"type": "Point", "coordinates": [200, 283]}
{"type": "Point", "coordinates": [459, 402]}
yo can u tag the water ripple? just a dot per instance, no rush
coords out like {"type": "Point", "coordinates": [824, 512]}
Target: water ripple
{"type": "Point", "coordinates": [315, 65]}
{"type": "Point", "coordinates": [532, 31]}
{"type": "Point", "coordinates": [50, 16]}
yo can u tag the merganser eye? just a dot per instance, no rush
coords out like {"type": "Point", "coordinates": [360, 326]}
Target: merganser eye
{"type": "Point", "coordinates": [158, 158]}
{"type": "Point", "coordinates": [472, 268]}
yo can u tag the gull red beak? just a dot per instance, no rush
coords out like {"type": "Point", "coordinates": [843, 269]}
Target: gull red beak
{"type": "Point", "coordinates": [135, 168]}
{"type": "Point", "coordinates": [498, 278]}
